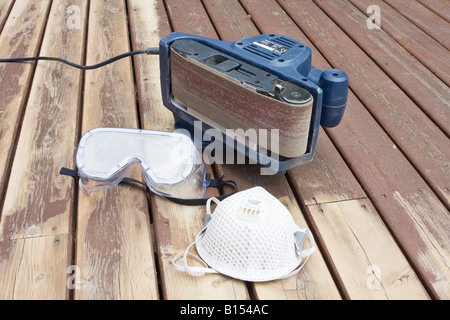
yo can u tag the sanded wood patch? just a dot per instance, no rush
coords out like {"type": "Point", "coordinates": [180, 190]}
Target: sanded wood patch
{"type": "Point", "coordinates": [369, 262]}
{"type": "Point", "coordinates": [35, 268]}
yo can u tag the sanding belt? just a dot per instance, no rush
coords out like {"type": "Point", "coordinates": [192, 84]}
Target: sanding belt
{"type": "Point", "coordinates": [223, 102]}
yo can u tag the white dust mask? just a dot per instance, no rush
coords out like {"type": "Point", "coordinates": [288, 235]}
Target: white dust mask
{"type": "Point", "coordinates": [250, 236]}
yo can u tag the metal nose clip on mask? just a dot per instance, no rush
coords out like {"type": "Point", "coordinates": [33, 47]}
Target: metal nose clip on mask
{"type": "Point", "coordinates": [170, 164]}
{"type": "Point", "coordinates": [250, 236]}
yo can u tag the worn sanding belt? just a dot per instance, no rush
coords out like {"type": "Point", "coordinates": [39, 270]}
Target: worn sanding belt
{"type": "Point", "coordinates": [223, 103]}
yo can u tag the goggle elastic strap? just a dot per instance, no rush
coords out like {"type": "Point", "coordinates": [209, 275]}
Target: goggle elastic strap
{"type": "Point", "coordinates": [214, 183]}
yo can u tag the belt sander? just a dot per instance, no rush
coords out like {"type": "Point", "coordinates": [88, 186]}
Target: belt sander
{"type": "Point", "coordinates": [263, 82]}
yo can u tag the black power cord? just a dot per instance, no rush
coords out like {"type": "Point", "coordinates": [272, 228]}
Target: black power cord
{"type": "Point", "coordinates": [95, 66]}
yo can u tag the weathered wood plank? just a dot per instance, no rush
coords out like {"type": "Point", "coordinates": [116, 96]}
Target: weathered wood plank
{"type": "Point", "coordinates": [39, 201]}
{"type": "Point", "coordinates": [175, 225]}
{"type": "Point", "coordinates": [114, 245]}
{"type": "Point", "coordinates": [412, 131]}
{"type": "Point", "coordinates": [362, 146]}
{"type": "Point", "coordinates": [425, 19]}
{"type": "Point", "coordinates": [35, 268]}
{"type": "Point", "coordinates": [428, 92]}
{"type": "Point", "coordinates": [146, 32]}
{"type": "Point", "coordinates": [5, 7]}
{"type": "Point", "coordinates": [234, 22]}
{"type": "Point", "coordinates": [20, 37]}
{"type": "Point", "coordinates": [326, 178]}
{"type": "Point", "coordinates": [385, 174]}
{"type": "Point", "coordinates": [440, 7]}
{"type": "Point", "coordinates": [430, 52]}
{"type": "Point", "coordinates": [356, 236]}
{"type": "Point", "coordinates": [314, 281]}
{"type": "Point", "coordinates": [192, 15]}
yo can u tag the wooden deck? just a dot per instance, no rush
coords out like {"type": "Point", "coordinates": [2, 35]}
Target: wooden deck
{"type": "Point", "coordinates": [376, 195]}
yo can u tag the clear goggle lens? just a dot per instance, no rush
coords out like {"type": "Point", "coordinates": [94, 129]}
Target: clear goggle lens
{"type": "Point", "coordinates": [169, 162]}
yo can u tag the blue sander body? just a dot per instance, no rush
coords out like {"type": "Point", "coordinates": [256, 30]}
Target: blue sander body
{"type": "Point", "coordinates": [263, 82]}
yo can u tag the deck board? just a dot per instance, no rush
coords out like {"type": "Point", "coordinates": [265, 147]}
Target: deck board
{"type": "Point", "coordinates": [427, 20]}
{"type": "Point", "coordinates": [440, 7]}
{"type": "Point", "coordinates": [414, 133]}
{"type": "Point", "coordinates": [427, 50]}
{"type": "Point", "coordinates": [433, 96]}
{"type": "Point", "coordinates": [5, 7]}
{"type": "Point", "coordinates": [16, 78]}
{"type": "Point", "coordinates": [115, 251]}
{"type": "Point", "coordinates": [376, 195]}
{"type": "Point", "coordinates": [42, 148]}
{"type": "Point", "coordinates": [39, 203]}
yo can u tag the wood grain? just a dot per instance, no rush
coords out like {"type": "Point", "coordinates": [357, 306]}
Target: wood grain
{"type": "Point", "coordinates": [38, 205]}
{"type": "Point", "coordinates": [5, 7]}
{"type": "Point", "coordinates": [430, 52]}
{"type": "Point", "coordinates": [191, 15]}
{"type": "Point", "coordinates": [35, 268]}
{"type": "Point", "coordinates": [326, 178]}
{"type": "Point", "coordinates": [114, 245]}
{"type": "Point", "coordinates": [411, 130]}
{"type": "Point", "coordinates": [15, 78]}
{"type": "Point", "coordinates": [175, 225]}
{"type": "Point", "coordinates": [440, 7]}
{"type": "Point", "coordinates": [146, 32]}
{"type": "Point", "coordinates": [424, 18]}
{"type": "Point", "coordinates": [39, 201]}
{"type": "Point", "coordinates": [234, 22]}
{"type": "Point", "coordinates": [419, 83]}
{"type": "Point", "coordinates": [362, 249]}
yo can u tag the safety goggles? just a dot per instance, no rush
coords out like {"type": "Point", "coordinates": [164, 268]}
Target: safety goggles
{"type": "Point", "coordinates": [170, 164]}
